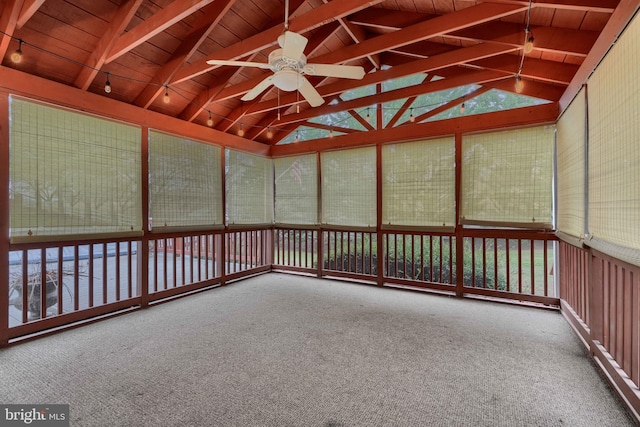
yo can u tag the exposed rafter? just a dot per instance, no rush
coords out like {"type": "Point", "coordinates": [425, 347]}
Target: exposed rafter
{"type": "Point", "coordinates": [212, 14]}
{"type": "Point", "coordinates": [99, 55]}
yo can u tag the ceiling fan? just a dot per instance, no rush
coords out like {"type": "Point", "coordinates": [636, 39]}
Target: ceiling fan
{"type": "Point", "coordinates": [289, 66]}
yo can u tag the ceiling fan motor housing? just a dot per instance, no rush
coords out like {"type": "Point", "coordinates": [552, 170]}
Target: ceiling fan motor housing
{"type": "Point", "coordinates": [286, 71]}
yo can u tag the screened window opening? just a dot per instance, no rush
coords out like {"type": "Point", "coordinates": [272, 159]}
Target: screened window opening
{"type": "Point", "coordinates": [72, 175]}
{"type": "Point", "coordinates": [572, 169]}
{"type": "Point", "coordinates": [418, 184]}
{"type": "Point", "coordinates": [614, 131]}
{"type": "Point", "coordinates": [349, 187]}
{"type": "Point", "coordinates": [249, 181]}
{"type": "Point", "coordinates": [296, 186]}
{"type": "Point", "coordinates": [507, 178]}
{"type": "Point", "coordinates": [185, 182]}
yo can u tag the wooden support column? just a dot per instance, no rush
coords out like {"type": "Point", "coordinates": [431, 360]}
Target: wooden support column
{"type": "Point", "coordinates": [379, 233]}
{"type": "Point", "coordinates": [143, 250]}
{"type": "Point", "coordinates": [221, 246]}
{"type": "Point", "coordinates": [4, 220]}
{"type": "Point", "coordinates": [459, 230]}
{"type": "Point", "coordinates": [320, 239]}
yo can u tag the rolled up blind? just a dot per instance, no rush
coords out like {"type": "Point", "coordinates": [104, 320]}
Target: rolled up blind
{"type": "Point", "coordinates": [72, 175]}
{"type": "Point", "coordinates": [507, 178]}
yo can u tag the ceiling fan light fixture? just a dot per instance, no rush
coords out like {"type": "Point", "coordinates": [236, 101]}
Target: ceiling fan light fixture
{"type": "Point", "coordinates": [287, 80]}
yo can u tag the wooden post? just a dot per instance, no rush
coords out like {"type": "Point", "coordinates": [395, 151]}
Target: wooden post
{"type": "Point", "coordinates": [459, 233]}
{"type": "Point", "coordinates": [143, 249]}
{"type": "Point", "coordinates": [4, 220]}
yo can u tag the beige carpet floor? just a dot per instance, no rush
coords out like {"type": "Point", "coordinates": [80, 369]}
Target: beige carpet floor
{"type": "Point", "coordinates": [285, 350]}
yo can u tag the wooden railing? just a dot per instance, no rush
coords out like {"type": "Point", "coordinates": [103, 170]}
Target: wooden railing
{"type": "Point", "coordinates": [600, 297]}
{"type": "Point", "coordinates": [83, 280]}
{"type": "Point", "coordinates": [495, 263]}
{"type": "Point", "coordinates": [511, 264]}
{"type": "Point", "coordinates": [179, 262]}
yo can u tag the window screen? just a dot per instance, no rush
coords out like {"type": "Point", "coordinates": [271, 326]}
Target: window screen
{"type": "Point", "coordinates": [614, 154]}
{"type": "Point", "coordinates": [185, 181]}
{"type": "Point", "coordinates": [507, 178]}
{"type": "Point", "coordinates": [296, 180]}
{"type": "Point", "coordinates": [571, 168]}
{"type": "Point", "coordinates": [418, 184]}
{"type": "Point", "coordinates": [72, 175]}
{"type": "Point", "coordinates": [249, 180]}
{"type": "Point", "coordinates": [349, 187]}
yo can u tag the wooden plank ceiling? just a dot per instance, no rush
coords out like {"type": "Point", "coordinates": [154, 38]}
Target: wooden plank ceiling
{"type": "Point", "coordinates": [146, 48]}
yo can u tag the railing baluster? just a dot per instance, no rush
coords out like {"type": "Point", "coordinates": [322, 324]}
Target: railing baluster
{"type": "Point", "coordinates": [76, 277]}
{"type": "Point", "coordinates": [117, 258]}
{"type": "Point", "coordinates": [60, 276]}
{"type": "Point", "coordinates": [91, 281]}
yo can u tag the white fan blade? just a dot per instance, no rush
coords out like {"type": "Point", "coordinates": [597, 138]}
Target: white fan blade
{"type": "Point", "coordinates": [310, 93]}
{"type": "Point", "coordinates": [258, 89]}
{"type": "Point", "coordinates": [332, 70]}
{"type": "Point", "coordinates": [293, 45]}
{"type": "Point", "coordinates": [238, 63]}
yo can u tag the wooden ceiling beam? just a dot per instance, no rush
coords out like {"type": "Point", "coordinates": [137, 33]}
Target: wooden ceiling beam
{"type": "Point", "coordinates": [357, 35]}
{"type": "Point", "coordinates": [550, 39]}
{"type": "Point", "coordinates": [212, 14]}
{"type": "Point", "coordinates": [603, 6]}
{"type": "Point", "coordinates": [98, 56]}
{"type": "Point", "coordinates": [453, 103]}
{"type": "Point", "coordinates": [301, 24]}
{"type": "Point", "coordinates": [360, 119]}
{"type": "Point", "coordinates": [387, 20]}
{"type": "Point", "coordinates": [547, 113]}
{"type": "Point", "coordinates": [559, 40]}
{"type": "Point", "coordinates": [441, 25]}
{"type": "Point", "coordinates": [8, 20]}
{"type": "Point", "coordinates": [403, 108]}
{"type": "Point", "coordinates": [196, 106]}
{"type": "Point", "coordinates": [477, 77]}
{"type": "Point", "coordinates": [456, 57]}
{"type": "Point", "coordinates": [539, 69]}
{"type": "Point", "coordinates": [28, 9]}
{"type": "Point", "coordinates": [160, 21]}
{"type": "Point", "coordinates": [532, 88]}
{"type": "Point", "coordinates": [444, 24]}
{"type": "Point", "coordinates": [331, 128]}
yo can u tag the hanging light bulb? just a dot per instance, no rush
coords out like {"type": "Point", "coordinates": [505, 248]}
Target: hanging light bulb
{"type": "Point", "coordinates": [269, 132]}
{"type": "Point", "coordinates": [210, 120]}
{"type": "Point", "coordinates": [330, 133]}
{"type": "Point", "coordinates": [368, 115]}
{"type": "Point", "coordinates": [166, 98]}
{"type": "Point", "coordinates": [519, 84]}
{"type": "Point", "coordinates": [16, 56]}
{"type": "Point", "coordinates": [297, 136]}
{"type": "Point", "coordinates": [241, 131]}
{"type": "Point", "coordinates": [107, 85]}
{"type": "Point", "coordinates": [411, 117]}
{"type": "Point", "coordinates": [528, 46]}
{"type": "Point", "coordinates": [462, 108]}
